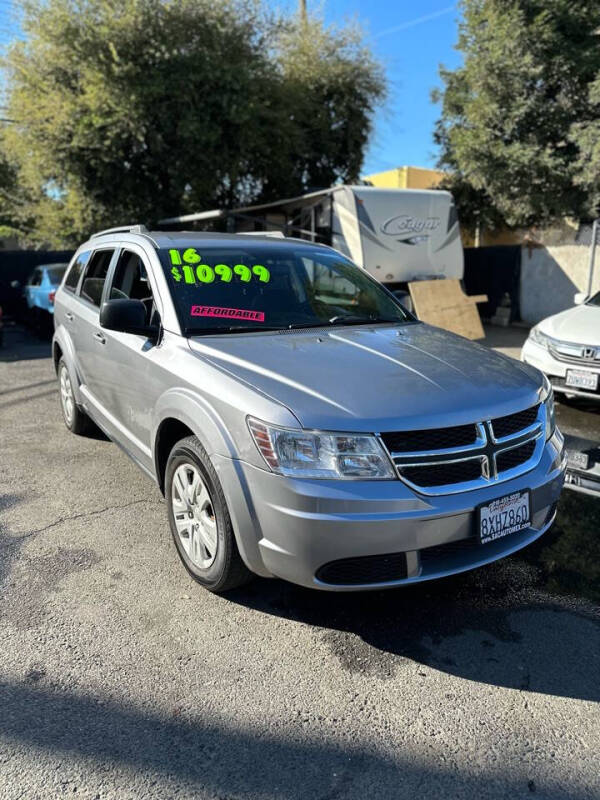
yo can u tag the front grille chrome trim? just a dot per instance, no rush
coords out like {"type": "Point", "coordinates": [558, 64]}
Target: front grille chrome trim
{"type": "Point", "coordinates": [486, 449]}
{"type": "Point", "coordinates": [571, 353]}
{"type": "Point", "coordinates": [479, 442]}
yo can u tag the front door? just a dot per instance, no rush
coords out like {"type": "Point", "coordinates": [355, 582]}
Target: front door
{"type": "Point", "coordinates": [132, 381]}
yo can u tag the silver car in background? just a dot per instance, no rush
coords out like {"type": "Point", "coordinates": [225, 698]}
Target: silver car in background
{"type": "Point", "coordinates": [300, 423]}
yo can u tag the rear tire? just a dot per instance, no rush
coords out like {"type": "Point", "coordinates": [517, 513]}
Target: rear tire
{"type": "Point", "coordinates": [75, 419]}
{"type": "Point", "coordinates": [200, 521]}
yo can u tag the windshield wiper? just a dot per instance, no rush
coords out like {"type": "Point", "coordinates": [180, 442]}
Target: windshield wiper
{"type": "Point", "coordinates": [228, 329]}
{"type": "Point", "coordinates": [356, 319]}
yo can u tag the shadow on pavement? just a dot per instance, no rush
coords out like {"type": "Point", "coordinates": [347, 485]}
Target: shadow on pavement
{"type": "Point", "coordinates": [21, 344]}
{"type": "Point", "coordinates": [203, 754]}
{"type": "Point", "coordinates": [528, 622]}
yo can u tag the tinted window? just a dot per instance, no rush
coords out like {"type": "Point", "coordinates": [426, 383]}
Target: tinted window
{"type": "Point", "coordinates": [275, 286]}
{"type": "Point", "coordinates": [36, 278]}
{"type": "Point", "coordinates": [594, 300]}
{"type": "Point", "coordinates": [72, 279]}
{"type": "Point", "coordinates": [95, 275]}
{"type": "Point", "coordinates": [55, 273]}
{"type": "Point", "coordinates": [130, 281]}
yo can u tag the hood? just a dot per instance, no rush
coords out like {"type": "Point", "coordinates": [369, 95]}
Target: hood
{"type": "Point", "coordinates": [375, 378]}
{"type": "Point", "coordinates": [580, 325]}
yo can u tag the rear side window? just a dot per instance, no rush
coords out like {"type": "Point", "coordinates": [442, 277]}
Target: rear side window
{"type": "Point", "coordinates": [72, 279]}
{"type": "Point", "coordinates": [55, 274]}
{"type": "Point", "coordinates": [95, 275]}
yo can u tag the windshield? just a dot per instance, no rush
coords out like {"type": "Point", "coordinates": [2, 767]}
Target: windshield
{"type": "Point", "coordinates": [254, 287]}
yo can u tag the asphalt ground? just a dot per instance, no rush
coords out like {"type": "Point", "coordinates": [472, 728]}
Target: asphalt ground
{"type": "Point", "coordinates": [122, 678]}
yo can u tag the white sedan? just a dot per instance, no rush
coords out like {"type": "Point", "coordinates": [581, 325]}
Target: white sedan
{"type": "Point", "coordinates": [566, 347]}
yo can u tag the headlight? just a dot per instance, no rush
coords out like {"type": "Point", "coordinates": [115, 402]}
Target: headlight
{"type": "Point", "coordinates": [548, 400]}
{"type": "Point", "coordinates": [538, 337]}
{"type": "Point", "coordinates": [318, 454]}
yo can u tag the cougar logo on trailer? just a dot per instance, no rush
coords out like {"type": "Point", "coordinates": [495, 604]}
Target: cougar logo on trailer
{"type": "Point", "coordinates": [406, 224]}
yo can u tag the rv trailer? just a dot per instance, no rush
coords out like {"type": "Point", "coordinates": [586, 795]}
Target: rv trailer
{"type": "Point", "coordinates": [397, 235]}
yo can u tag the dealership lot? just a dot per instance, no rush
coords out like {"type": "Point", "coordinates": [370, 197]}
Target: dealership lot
{"type": "Point", "coordinates": [120, 677]}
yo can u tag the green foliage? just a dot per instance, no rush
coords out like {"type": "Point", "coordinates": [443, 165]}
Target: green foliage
{"type": "Point", "coordinates": [507, 112]}
{"type": "Point", "coordinates": [586, 136]}
{"type": "Point", "coordinates": [132, 110]}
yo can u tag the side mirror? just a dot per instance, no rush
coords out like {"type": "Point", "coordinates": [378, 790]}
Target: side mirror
{"type": "Point", "coordinates": [126, 316]}
{"type": "Point", "coordinates": [15, 284]}
{"type": "Point", "coordinates": [579, 298]}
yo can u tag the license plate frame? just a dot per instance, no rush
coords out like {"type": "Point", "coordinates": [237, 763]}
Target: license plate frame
{"type": "Point", "coordinates": [578, 460]}
{"type": "Point", "coordinates": [500, 506]}
{"type": "Point", "coordinates": [582, 379]}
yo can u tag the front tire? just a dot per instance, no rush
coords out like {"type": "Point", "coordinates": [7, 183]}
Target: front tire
{"type": "Point", "coordinates": [200, 521]}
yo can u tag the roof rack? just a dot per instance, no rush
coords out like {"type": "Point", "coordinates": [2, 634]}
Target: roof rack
{"type": "Point", "coordinates": [274, 234]}
{"type": "Point", "coordinates": [121, 229]}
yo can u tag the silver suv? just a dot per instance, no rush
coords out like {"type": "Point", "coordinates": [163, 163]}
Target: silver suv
{"type": "Point", "coordinates": [299, 421]}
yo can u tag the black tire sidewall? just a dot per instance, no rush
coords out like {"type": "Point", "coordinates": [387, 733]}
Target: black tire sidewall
{"type": "Point", "coordinates": [192, 452]}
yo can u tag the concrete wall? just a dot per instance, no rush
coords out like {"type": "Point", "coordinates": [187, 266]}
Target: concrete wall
{"type": "Point", "coordinates": [553, 269]}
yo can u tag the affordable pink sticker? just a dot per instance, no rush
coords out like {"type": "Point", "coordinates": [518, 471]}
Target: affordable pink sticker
{"type": "Point", "coordinates": [227, 313]}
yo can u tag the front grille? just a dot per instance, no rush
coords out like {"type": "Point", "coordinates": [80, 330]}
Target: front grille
{"type": "Point", "coordinates": [364, 569]}
{"type": "Point", "coordinates": [444, 473]}
{"type": "Point", "coordinates": [513, 423]}
{"type": "Point", "coordinates": [510, 459]}
{"type": "Point", "coordinates": [433, 439]}
{"type": "Point", "coordinates": [580, 357]}
{"type": "Point", "coordinates": [477, 458]}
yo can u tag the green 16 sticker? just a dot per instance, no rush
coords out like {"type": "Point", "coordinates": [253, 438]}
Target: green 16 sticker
{"type": "Point", "coordinates": [188, 266]}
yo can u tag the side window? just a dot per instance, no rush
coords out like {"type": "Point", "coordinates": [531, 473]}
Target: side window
{"type": "Point", "coordinates": [36, 278]}
{"type": "Point", "coordinates": [73, 275]}
{"type": "Point", "coordinates": [130, 282]}
{"type": "Point", "coordinates": [95, 275]}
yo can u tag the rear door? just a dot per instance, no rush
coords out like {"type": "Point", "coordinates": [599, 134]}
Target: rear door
{"type": "Point", "coordinates": [66, 303]}
{"type": "Point", "coordinates": [32, 288]}
{"type": "Point", "coordinates": [88, 337]}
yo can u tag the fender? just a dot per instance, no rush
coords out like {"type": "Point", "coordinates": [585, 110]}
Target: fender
{"type": "Point", "coordinates": [199, 416]}
{"type": "Point", "coordinates": [203, 420]}
{"type": "Point", "coordinates": [62, 338]}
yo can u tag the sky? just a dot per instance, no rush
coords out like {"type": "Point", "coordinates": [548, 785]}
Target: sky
{"type": "Point", "coordinates": [410, 39]}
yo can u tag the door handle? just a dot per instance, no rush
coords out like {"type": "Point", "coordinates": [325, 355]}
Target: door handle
{"type": "Point", "coordinates": [99, 337]}
{"type": "Point", "coordinates": [69, 316]}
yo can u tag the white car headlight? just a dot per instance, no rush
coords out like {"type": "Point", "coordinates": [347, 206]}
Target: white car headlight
{"type": "Point", "coordinates": [538, 337]}
{"type": "Point", "coordinates": [319, 454]}
{"type": "Point", "coordinates": [548, 401]}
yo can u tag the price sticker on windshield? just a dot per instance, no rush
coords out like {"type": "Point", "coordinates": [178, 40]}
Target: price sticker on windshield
{"type": "Point", "coordinates": [187, 267]}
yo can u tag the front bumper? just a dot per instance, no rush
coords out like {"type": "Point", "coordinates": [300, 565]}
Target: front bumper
{"type": "Point", "coordinates": [538, 356]}
{"type": "Point", "coordinates": [291, 528]}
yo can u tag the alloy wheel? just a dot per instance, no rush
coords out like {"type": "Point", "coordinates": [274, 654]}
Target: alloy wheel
{"type": "Point", "coordinates": [66, 395]}
{"type": "Point", "coordinates": [194, 516]}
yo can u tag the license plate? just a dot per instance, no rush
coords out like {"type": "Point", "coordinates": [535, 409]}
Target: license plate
{"type": "Point", "coordinates": [582, 379]}
{"type": "Point", "coordinates": [504, 516]}
{"type": "Point", "coordinates": [577, 460]}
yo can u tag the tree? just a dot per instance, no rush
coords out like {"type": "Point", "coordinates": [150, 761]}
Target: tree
{"type": "Point", "coordinates": [586, 136]}
{"type": "Point", "coordinates": [332, 85]}
{"type": "Point", "coordinates": [507, 112]}
{"type": "Point", "coordinates": [133, 110]}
